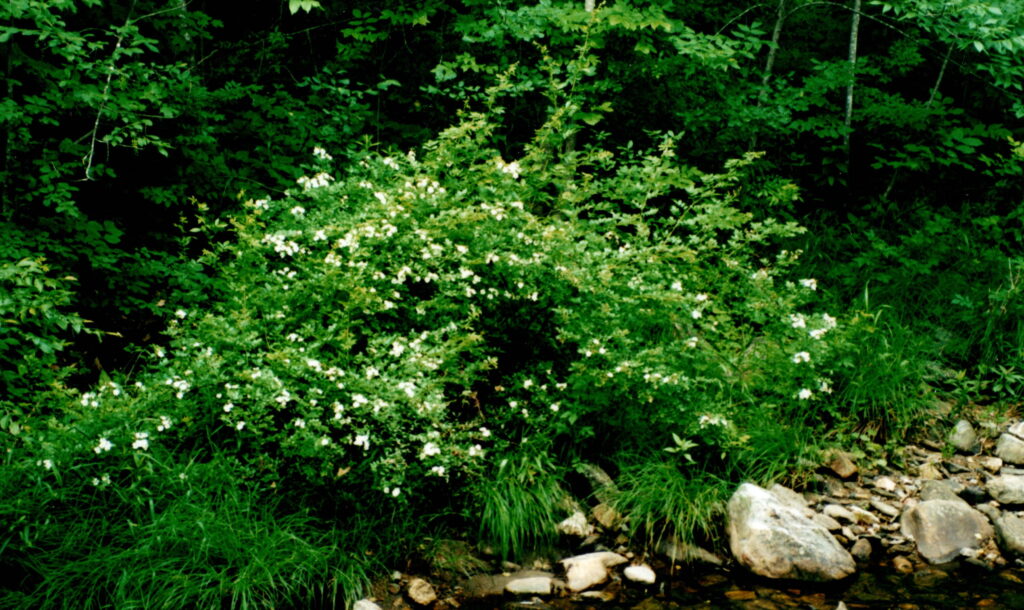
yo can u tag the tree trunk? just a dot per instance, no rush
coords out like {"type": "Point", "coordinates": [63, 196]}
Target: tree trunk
{"type": "Point", "coordinates": [852, 58]}
{"type": "Point", "coordinates": [769, 64]}
{"type": "Point", "coordinates": [938, 79]}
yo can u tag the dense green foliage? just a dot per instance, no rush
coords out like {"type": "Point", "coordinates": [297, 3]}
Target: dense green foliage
{"type": "Point", "coordinates": [340, 274]}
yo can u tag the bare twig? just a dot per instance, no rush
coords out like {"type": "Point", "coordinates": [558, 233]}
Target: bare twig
{"type": "Point", "coordinates": [103, 100]}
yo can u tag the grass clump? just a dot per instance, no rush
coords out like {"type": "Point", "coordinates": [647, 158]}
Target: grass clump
{"type": "Point", "coordinates": [215, 544]}
{"type": "Point", "coordinates": [662, 498]}
{"type": "Point", "coordinates": [518, 505]}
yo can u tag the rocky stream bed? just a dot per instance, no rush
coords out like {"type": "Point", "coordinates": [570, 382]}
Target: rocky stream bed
{"type": "Point", "coordinates": [944, 531]}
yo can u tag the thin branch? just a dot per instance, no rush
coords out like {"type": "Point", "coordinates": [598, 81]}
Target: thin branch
{"type": "Point", "coordinates": [103, 103]}
{"type": "Point", "coordinates": [180, 7]}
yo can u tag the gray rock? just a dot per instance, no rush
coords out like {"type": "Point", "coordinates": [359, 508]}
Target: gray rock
{"type": "Point", "coordinates": [1017, 430]}
{"type": "Point", "coordinates": [788, 497]}
{"type": "Point", "coordinates": [365, 604]}
{"type": "Point", "coordinates": [885, 484]}
{"type": "Point", "coordinates": [863, 516]}
{"type": "Point", "coordinates": [1007, 489]}
{"type": "Point", "coordinates": [885, 508]}
{"type": "Point", "coordinates": [532, 585]}
{"type": "Point", "coordinates": [606, 515]}
{"type": "Point", "coordinates": [576, 525]}
{"type": "Point", "coordinates": [827, 522]}
{"type": "Point", "coordinates": [839, 512]}
{"type": "Point", "coordinates": [841, 463]}
{"type": "Point", "coordinates": [989, 511]}
{"type": "Point", "coordinates": [585, 571]}
{"type": "Point", "coordinates": [484, 585]}
{"type": "Point", "coordinates": [683, 552]}
{"type": "Point", "coordinates": [1010, 532]}
{"type": "Point", "coordinates": [602, 484]}
{"type": "Point", "coordinates": [1010, 449]}
{"type": "Point", "coordinates": [989, 463]}
{"type": "Point", "coordinates": [778, 541]}
{"type": "Point", "coordinates": [421, 592]}
{"type": "Point", "coordinates": [963, 437]}
{"type": "Point", "coordinates": [861, 550]}
{"type": "Point", "coordinates": [943, 528]}
{"type": "Point", "coordinates": [939, 490]}
{"type": "Point", "coordinates": [641, 574]}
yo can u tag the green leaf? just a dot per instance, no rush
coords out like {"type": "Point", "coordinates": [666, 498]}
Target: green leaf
{"type": "Point", "coordinates": [306, 5]}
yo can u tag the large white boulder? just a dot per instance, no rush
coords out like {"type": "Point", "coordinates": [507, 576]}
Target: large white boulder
{"type": "Point", "coordinates": [775, 539]}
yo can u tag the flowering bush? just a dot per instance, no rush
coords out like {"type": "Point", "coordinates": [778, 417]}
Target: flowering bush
{"type": "Point", "coordinates": [394, 334]}
{"type": "Point", "coordinates": [391, 327]}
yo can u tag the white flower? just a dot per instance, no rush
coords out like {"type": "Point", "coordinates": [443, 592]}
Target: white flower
{"type": "Point", "coordinates": [804, 394]}
{"type": "Point", "coordinates": [825, 387]}
{"type": "Point", "coordinates": [228, 406]}
{"type": "Point", "coordinates": [801, 357]}
{"type": "Point", "coordinates": [711, 420]}
{"type": "Point", "coordinates": [318, 181]}
{"type": "Point", "coordinates": [555, 407]}
{"type": "Point", "coordinates": [181, 313]}
{"type": "Point", "coordinates": [240, 425]}
{"type": "Point", "coordinates": [430, 449]}
{"type": "Point", "coordinates": [47, 464]}
{"type": "Point", "coordinates": [701, 297]}
{"type": "Point", "coordinates": [438, 470]}
{"type": "Point", "coordinates": [141, 441]}
{"type": "Point", "coordinates": [476, 450]}
{"type": "Point", "coordinates": [798, 320]}
{"type": "Point", "coordinates": [677, 286]}
{"type": "Point", "coordinates": [829, 321]}
{"type": "Point", "coordinates": [810, 283]}
{"type": "Point", "coordinates": [696, 314]}
{"type": "Point", "coordinates": [103, 445]}
{"type": "Point", "coordinates": [389, 162]}
{"type": "Point", "coordinates": [165, 423]}
{"type": "Point", "coordinates": [527, 383]}
{"type": "Point", "coordinates": [300, 423]}
{"type": "Point", "coordinates": [298, 210]}
{"type": "Point", "coordinates": [362, 440]}
{"type": "Point", "coordinates": [320, 153]}
{"type": "Point", "coordinates": [513, 169]}
{"type": "Point", "coordinates": [817, 333]}
{"type": "Point", "coordinates": [484, 432]}
{"type": "Point", "coordinates": [325, 441]}
{"type": "Point", "coordinates": [691, 342]}
{"type": "Point", "coordinates": [395, 492]}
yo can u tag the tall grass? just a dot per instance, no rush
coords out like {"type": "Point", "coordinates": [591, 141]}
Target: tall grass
{"type": "Point", "coordinates": [661, 497]}
{"type": "Point", "coordinates": [215, 546]}
{"type": "Point", "coordinates": [518, 505]}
